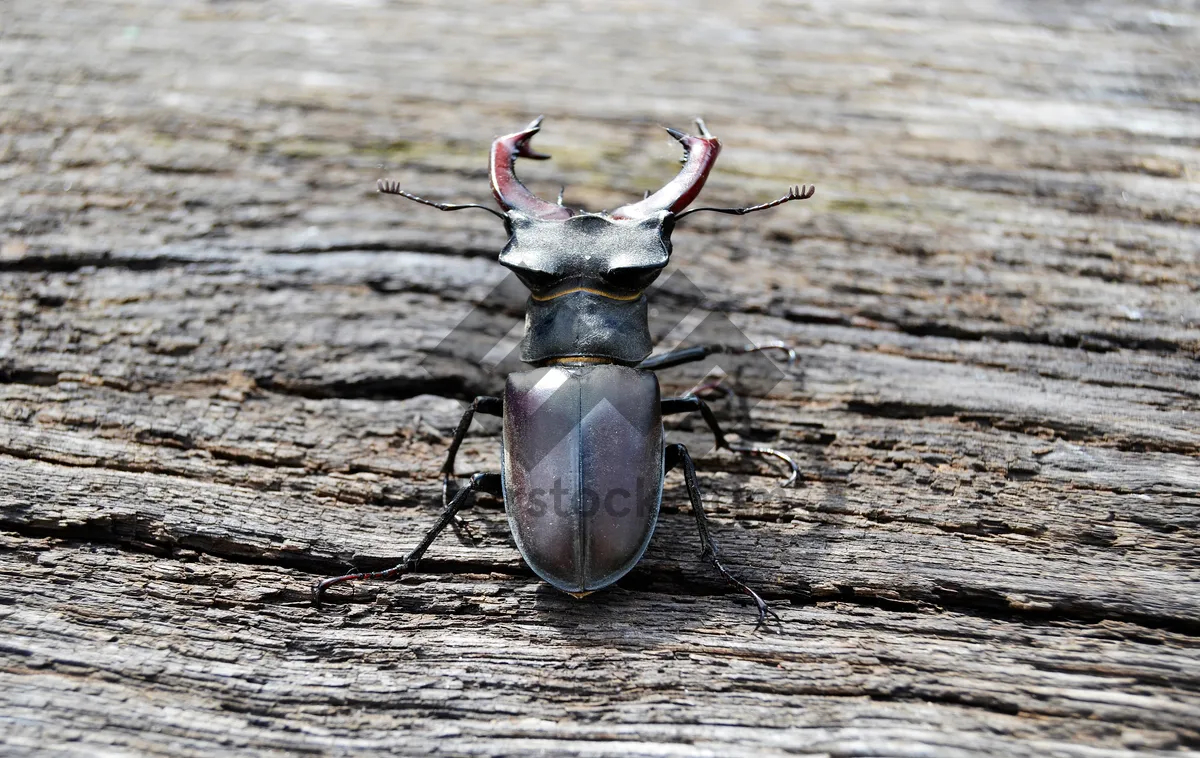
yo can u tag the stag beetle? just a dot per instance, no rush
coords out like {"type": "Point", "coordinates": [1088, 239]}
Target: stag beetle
{"type": "Point", "coordinates": [583, 448]}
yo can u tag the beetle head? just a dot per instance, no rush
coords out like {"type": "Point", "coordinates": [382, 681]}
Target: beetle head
{"type": "Point", "coordinates": [553, 248]}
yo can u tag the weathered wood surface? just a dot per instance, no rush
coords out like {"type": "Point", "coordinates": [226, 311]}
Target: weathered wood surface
{"type": "Point", "coordinates": [220, 378]}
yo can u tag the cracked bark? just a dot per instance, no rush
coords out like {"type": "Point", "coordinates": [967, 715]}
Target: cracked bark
{"type": "Point", "coordinates": [222, 377]}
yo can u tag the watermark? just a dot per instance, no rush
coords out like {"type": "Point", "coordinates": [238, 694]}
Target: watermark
{"type": "Point", "coordinates": [616, 502]}
{"type": "Point", "coordinates": [680, 316]}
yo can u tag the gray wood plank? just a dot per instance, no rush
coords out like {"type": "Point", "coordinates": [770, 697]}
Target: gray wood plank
{"type": "Point", "coordinates": [223, 375]}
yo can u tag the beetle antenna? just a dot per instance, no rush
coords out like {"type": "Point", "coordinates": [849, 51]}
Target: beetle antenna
{"type": "Point", "coordinates": [392, 188]}
{"type": "Point", "coordinates": [797, 192]}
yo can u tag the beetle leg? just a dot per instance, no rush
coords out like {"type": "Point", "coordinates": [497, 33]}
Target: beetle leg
{"type": "Point", "coordinates": [711, 389]}
{"type": "Point", "coordinates": [491, 406]}
{"type": "Point", "coordinates": [691, 403]}
{"type": "Point", "coordinates": [489, 483]}
{"type": "Point", "coordinates": [677, 455]}
{"type": "Point", "coordinates": [700, 352]}
{"type": "Point", "coordinates": [462, 529]}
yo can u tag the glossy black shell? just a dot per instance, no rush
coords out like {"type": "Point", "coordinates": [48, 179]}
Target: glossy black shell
{"type": "Point", "coordinates": [587, 274]}
{"type": "Point", "coordinates": [582, 470]}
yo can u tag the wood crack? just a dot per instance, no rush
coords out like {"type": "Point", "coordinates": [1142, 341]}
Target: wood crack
{"type": "Point", "coordinates": [223, 376]}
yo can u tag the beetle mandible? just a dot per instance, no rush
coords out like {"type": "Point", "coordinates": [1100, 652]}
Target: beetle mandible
{"type": "Point", "coordinates": [583, 448]}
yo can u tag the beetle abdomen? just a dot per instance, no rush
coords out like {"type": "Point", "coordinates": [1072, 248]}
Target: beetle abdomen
{"type": "Point", "coordinates": [583, 470]}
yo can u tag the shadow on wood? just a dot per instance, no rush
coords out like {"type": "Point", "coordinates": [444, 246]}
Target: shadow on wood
{"type": "Point", "coordinates": [219, 382]}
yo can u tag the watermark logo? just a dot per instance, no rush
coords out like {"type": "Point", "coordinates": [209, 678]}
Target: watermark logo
{"type": "Point", "coordinates": [680, 316]}
{"type": "Point", "coordinates": [616, 502]}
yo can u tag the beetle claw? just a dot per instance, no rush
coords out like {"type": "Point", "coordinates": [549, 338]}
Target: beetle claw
{"type": "Point", "coordinates": [463, 531]}
{"type": "Point", "coordinates": [319, 588]}
{"type": "Point", "coordinates": [763, 609]}
{"type": "Point", "coordinates": [790, 351]}
{"type": "Point", "coordinates": [793, 467]}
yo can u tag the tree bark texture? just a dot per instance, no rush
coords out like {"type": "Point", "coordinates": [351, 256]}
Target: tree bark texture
{"type": "Point", "coordinates": [223, 376]}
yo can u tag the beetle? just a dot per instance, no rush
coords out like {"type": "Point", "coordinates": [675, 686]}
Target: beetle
{"type": "Point", "coordinates": [584, 453]}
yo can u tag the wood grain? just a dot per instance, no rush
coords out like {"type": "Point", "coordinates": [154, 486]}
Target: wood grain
{"type": "Point", "coordinates": [223, 376]}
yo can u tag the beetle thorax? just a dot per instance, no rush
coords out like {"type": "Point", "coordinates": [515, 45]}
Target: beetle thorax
{"type": "Point", "coordinates": [587, 275]}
